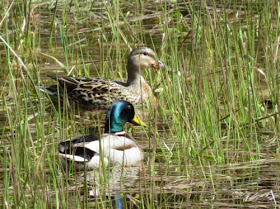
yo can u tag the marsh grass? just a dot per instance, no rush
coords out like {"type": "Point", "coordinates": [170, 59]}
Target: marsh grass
{"type": "Point", "coordinates": [210, 142]}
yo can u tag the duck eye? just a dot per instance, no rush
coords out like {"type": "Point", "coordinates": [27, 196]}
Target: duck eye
{"type": "Point", "coordinates": [145, 53]}
{"type": "Point", "coordinates": [126, 113]}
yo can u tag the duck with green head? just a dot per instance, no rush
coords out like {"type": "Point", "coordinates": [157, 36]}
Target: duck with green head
{"type": "Point", "coordinates": [99, 93]}
{"type": "Point", "coordinates": [114, 146]}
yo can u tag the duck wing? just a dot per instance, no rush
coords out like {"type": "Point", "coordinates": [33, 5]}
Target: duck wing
{"type": "Point", "coordinates": [97, 90]}
{"type": "Point", "coordinates": [76, 147]}
{"type": "Point", "coordinates": [89, 92]}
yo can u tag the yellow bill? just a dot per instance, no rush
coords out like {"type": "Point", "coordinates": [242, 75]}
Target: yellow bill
{"type": "Point", "coordinates": [138, 121]}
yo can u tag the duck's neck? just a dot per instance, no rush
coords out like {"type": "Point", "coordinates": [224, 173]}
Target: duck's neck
{"type": "Point", "coordinates": [136, 82]}
{"type": "Point", "coordinates": [134, 74]}
{"type": "Point", "coordinates": [112, 127]}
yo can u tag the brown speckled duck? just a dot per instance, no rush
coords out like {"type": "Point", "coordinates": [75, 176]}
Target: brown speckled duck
{"type": "Point", "coordinates": [99, 93]}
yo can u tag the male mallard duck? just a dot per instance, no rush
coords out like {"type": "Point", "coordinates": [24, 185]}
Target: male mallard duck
{"type": "Point", "coordinates": [97, 93]}
{"type": "Point", "coordinates": [114, 145]}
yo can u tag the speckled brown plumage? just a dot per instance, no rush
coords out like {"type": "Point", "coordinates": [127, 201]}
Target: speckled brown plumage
{"type": "Point", "coordinates": [99, 93]}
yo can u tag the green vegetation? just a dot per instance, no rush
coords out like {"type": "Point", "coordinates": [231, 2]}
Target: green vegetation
{"type": "Point", "coordinates": [211, 140]}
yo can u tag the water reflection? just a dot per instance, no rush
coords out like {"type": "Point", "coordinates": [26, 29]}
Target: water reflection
{"type": "Point", "coordinates": [112, 183]}
{"type": "Point", "coordinates": [117, 179]}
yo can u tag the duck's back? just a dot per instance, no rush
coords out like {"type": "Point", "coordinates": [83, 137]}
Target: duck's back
{"type": "Point", "coordinates": [94, 93]}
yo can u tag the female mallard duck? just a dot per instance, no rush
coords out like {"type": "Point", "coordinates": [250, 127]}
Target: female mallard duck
{"type": "Point", "coordinates": [97, 93]}
{"type": "Point", "coordinates": [113, 146]}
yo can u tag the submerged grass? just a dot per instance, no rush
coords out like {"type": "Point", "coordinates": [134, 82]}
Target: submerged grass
{"type": "Point", "coordinates": [211, 140]}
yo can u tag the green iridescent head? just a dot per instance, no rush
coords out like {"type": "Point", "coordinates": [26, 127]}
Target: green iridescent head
{"type": "Point", "coordinates": [118, 114]}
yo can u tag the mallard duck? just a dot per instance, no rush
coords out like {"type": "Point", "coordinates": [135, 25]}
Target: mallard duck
{"type": "Point", "coordinates": [113, 146]}
{"type": "Point", "coordinates": [98, 93]}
